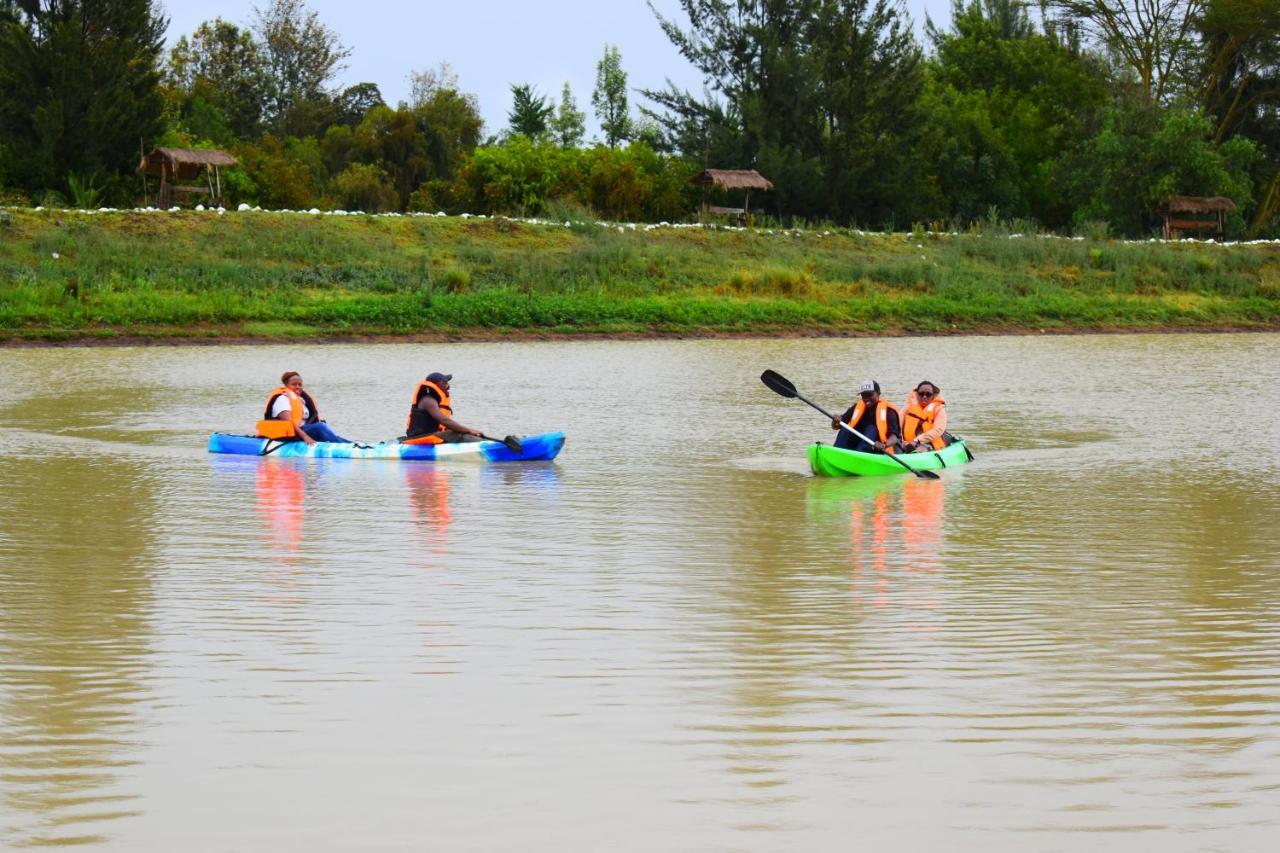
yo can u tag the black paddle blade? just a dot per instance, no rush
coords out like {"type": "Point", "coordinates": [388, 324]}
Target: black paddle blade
{"type": "Point", "coordinates": [778, 383]}
{"type": "Point", "coordinates": [513, 444]}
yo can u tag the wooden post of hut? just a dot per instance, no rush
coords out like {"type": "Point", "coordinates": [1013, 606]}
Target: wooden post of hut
{"type": "Point", "coordinates": [730, 179]}
{"type": "Point", "coordinates": [1197, 214]}
{"type": "Point", "coordinates": [172, 165]}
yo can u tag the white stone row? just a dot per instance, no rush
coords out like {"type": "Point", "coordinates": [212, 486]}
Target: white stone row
{"type": "Point", "coordinates": [623, 227]}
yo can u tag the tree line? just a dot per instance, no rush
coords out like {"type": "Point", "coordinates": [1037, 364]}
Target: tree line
{"type": "Point", "coordinates": [1066, 115]}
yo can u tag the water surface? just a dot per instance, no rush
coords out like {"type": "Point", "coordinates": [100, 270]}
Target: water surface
{"type": "Point", "coordinates": [672, 638]}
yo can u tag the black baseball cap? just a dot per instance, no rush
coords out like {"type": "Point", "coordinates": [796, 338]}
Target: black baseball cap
{"type": "Point", "coordinates": [439, 377]}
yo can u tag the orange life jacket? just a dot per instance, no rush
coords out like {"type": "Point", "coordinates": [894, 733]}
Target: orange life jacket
{"type": "Point", "coordinates": [882, 419]}
{"type": "Point", "coordinates": [419, 423]}
{"type": "Point", "coordinates": [919, 419]}
{"type": "Point", "coordinates": [270, 427]}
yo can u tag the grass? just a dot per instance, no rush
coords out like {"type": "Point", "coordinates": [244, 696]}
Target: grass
{"type": "Point", "coordinates": [286, 276]}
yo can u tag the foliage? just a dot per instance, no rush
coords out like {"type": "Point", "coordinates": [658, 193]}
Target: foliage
{"type": "Point", "coordinates": [303, 56]}
{"type": "Point", "coordinates": [1141, 158]}
{"type": "Point", "coordinates": [79, 86]}
{"type": "Point", "coordinates": [1004, 104]}
{"type": "Point", "coordinates": [278, 176]}
{"type": "Point", "coordinates": [524, 178]}
{"type": "Point", "coordinates": [610, 97]}
{"type": "Point", "coordinates": [822, 96]}
{"type": "Point", "coordinates": [1152, 38]}
{"type": "Point", "coordinates": [362, 186]}
{"type": "Point", "coordinates": [220, 67]}
{"type": "Point", "coordinates": [530, 113]}
{"type": "Point", "coordinates": [568, 125]}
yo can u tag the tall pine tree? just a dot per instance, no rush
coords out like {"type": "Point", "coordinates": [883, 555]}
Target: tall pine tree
{"type": "Point", "coordinates": [79, 90]}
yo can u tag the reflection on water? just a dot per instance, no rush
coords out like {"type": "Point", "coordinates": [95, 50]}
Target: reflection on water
{"type": "Point", "coordinates": [429, 503]}
{"type": "Point", "coordinates": [670, 638]}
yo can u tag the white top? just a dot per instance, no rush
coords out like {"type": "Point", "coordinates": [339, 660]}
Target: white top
{"type": "Point", "coordinates": [282, 405]}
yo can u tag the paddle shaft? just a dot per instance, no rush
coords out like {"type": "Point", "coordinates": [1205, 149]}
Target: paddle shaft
{"type": "Point", "coordinates": [928, 475]}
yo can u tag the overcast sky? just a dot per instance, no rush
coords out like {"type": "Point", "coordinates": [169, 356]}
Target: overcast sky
{"type": "Point", "coordinates": [494, 43]}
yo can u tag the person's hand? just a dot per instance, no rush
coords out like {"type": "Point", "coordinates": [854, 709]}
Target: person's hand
{"type": "Point", "coordinates": [308, 439]}
{"type": "Point", "coordinates": [835, 423]}
{"type": "Point", "coordinates": [910, 446]}
{"type": "Point", "coordinates": [476, 433]}
{"type": "Point", "coordinates": [879, 445]}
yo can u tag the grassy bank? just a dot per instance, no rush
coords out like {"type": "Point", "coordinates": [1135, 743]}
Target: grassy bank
{"type": "Point", "coordinates": [67, 276]}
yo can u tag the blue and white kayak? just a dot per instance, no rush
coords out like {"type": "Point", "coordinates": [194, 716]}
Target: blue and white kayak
{"type": "Point", "coordinates": [535, 447]}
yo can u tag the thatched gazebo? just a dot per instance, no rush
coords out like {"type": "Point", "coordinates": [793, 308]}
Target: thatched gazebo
{"type": "Point", "coordinates": [172, 165]}
{"type": "Point", "coordinates": [731, 179]}
{"type": "Point", "coordinates": [1199, 207]}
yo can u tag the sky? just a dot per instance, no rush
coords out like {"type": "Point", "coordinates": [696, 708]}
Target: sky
{"type": "Point", "coordinates": [492, 44]}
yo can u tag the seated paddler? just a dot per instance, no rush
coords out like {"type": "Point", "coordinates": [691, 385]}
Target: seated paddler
{"type": "Point", "coordinates": [924, 419]}
{"type": "Point", "coordinates": [877, 419]}
{"type": "Point", "coordinates": [292, 414]}
{"type": "Point", "coordinates": [431, 414]}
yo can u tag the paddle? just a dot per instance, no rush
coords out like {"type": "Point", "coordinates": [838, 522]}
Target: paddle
{"type": "Point", "coordinates": [512, 443]}
{"type": "Point", "coordinates": [779, 384]}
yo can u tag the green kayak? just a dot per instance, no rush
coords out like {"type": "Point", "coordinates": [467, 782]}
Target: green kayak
{"type": "Point", "coordinates": [828, 461]}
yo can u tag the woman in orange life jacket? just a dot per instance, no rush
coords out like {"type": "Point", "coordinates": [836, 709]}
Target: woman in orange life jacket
{"type": "Point", "coordinates": [924, 419]}
{"type": "Point", "coordinates": [877, 419]}
{"type": "Point", "coordinates": [431, 415]}
{"type": "Point", "coordinates": [292, 415]}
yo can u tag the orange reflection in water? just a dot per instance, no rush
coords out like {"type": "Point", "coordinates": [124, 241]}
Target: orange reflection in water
{"type": "Point", "coordinates": [429, 506]}
{"type": "Point", "coordinates": [895, 542]}
{"type": "Point", "coordinates": [281, 492]}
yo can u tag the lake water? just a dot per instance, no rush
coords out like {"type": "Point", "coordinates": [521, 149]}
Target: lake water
{"type": "Point", "coordinates": [673, 637]}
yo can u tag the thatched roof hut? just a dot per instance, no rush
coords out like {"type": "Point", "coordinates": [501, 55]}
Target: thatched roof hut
{"type": "Point", "coordinates": [1209, 212]}
{"type": "Point", "coordinates": [730, 179]}
{"type": "Point", "coordinates": [172, 165]}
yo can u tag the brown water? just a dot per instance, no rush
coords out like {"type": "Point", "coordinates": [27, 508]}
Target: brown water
{"type": "Point", "coordinates": [672, 638]}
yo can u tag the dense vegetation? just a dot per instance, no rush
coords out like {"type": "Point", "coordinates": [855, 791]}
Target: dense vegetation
{"type": "Point", "coordinates": [275, 275]}
{"type": "Point", "coordinates": [1073, 115]}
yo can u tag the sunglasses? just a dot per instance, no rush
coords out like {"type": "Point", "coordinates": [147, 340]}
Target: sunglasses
{"type": "Point", "coordinates": [924, 393]}
{"type": "Point", "coordinates": [866, 395]}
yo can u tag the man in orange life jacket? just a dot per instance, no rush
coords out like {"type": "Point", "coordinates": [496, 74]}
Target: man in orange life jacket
{"type": "Point", "coordinates": [431, 414]}
{"type": "Point", "coordinates": [875, 418]}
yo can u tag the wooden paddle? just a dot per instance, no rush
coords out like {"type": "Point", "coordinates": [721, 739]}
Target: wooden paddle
{"type": "Point", "coordinates": [779, 384]}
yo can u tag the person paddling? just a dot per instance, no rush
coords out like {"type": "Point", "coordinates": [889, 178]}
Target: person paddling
{"type": "Point", "coordinates": [924, 419]}
{"type": "Point", "coordinates": [292, 415]}
{"type": "Point", "coordinates": [873, 417]}
{"type": "Point", "coordinates": [431, 415]}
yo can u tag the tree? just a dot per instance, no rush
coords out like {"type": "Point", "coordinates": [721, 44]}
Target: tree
{"type": "Point", "coordinates": [1152, 37]}
{"type": "Point", "coordinates": [423, 85]}
{"type": "Point", "coordinates": [568, 125]}
{"type": "Point", "coordinates": [823, 96]}
{"type": "Point", "coordinates": [1004, 104]}
{"type": "Point", "coordinates": [610, 97]}
{"type": "Point", "coordinates": [223, 65]}
{"type": "Point", "coordinates": [356, 101]}
{"type": "Point", "coordinates": [1240, 88]}
{"type": "Point", "coordinates": [303, 57]}
{"type": "Point", "coordinates": [79, 86]}
{"type": "Point", "coordinates": [530, 113]}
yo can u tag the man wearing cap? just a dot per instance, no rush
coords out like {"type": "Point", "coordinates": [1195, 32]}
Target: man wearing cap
{"type": "Point", "coordinates": [875, 418]}
{"type": "Point", "coordinates": [431, 414]}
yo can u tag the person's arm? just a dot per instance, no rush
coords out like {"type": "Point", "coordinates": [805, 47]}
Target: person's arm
{"type": "Point", "coordinates": [286, 414]}
{"type": "Point", "coordinates": [431, 406]}
{"type": "Point", "coordinates": [893, 430]}
{"type": "Point", "coordinates": [939, 427]}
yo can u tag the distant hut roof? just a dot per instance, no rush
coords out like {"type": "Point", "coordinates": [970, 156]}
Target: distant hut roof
{"type": "Point", "coordinates": [184, 162]}
{"type": "Point", "coordinates": [1200, 204]}
{"type": "Point", "coordinates": [733, 179]}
